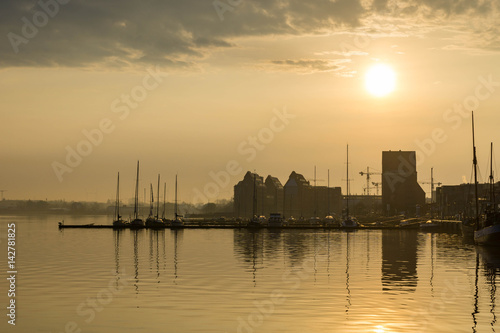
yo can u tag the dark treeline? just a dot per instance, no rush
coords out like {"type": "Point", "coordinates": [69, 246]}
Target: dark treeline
{"type": "Point", "coordinates": [221, 208]}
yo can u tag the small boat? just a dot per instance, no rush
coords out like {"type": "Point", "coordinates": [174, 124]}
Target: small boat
{"type": "Point", "coordinates": [429, 226]}
{"type": "Point", "coordinates": [177, 222]}
{"type": "Point", "coordinates": [154, 222]}
{"type": "Point", "coordinates": [275, 220]}
{"type": "Point", "coordinates": [118, 222]}
{"type": "Point", "coordinates": [257, 222]}
{"type": "Point", "coordinates": [163, 218]}
{"type": "Point", "coordinates": [330, 221]}
{"type": "Point", "coordinates": [136, 223]}
{"type": "Point", "coordinates": [348, 222]}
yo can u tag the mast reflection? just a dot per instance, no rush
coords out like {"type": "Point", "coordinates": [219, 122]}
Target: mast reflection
{"type": "Point", "coordinates": [135, 234]}
{"type": "Point", "coordinates": [490, 257]}
{"type": "Point", "coordinates": [177, 233]}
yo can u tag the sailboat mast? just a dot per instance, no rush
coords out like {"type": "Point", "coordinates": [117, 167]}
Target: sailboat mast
{"type": "Point", "coordinates": [158, 199]}
{"type": "Point", "coordinates": [117, 208]}
{"type": "Point", "coordinates": [347, 180]}
{"type": "Point", "coordinates": [136, 201]}
{"type": "Point", "coordinates": [474, 162]}
{"type": "Point", "coordinates": [254, 204]}
{"type": "Point", "coordinates": [175, 208]}
{"type": "Point", "coordinates": [164, 198]}
{"type": "Point", "coordinates": [328, 193]}
{"type": "Point", "coordinates": [492, 181]}
{"type": "Point", "coordinates": [152, 200]}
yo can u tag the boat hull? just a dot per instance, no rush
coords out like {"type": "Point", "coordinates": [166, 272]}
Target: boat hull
{"type": "Point", "coordinates": [120, 224]}
{"type": "Point", "coordinates": [137, 224]}
{"type": "Point", "coordinates": [177, 223]}
{"type": "Point", "coordinates": [488, 236]}
{"type": "Point", "coordinates": [155, 224]}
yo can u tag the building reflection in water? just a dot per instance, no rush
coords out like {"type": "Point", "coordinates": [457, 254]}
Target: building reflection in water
{"type": "Point", "coordinates": [399, 260]}
{"type": "Point", "coordinates": [249, 245]}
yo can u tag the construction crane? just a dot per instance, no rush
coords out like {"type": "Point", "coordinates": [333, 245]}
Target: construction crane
{"type": "Point", "coordinates": [368, 174]}
{"type": "Point", "coordinates": [376, 185]}
{"type": "Point", "coordinates": [432, 183]}
{"type": "Point", "coordinates": [1, 191]}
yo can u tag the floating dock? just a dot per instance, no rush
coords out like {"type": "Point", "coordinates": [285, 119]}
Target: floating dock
{"type": "Point", "coordinates": [437, 225]}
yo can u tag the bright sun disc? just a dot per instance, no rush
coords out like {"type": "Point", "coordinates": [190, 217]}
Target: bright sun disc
{"type": "Point", "coordinates": [380, 80]}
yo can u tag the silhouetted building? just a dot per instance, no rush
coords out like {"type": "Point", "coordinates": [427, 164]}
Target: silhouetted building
{"type": "Point", "coordinates": [274, 195]}
{"type": "Point", "coordinates": [456, 201]}
{"type": "Point", "coordinates": [400, 189]}
{"type": "Point", "coordinates": [296, 195]}
{"type": "Point", "coordinates": [304, 200]}
{"type": "Point", "coordinates": [297, 198]}
{"type": "Point", "coordinates": [249, 196]}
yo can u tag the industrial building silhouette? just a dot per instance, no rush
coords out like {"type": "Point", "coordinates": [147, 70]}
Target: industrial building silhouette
{"type": "Point", "coordinates": [299, 199]}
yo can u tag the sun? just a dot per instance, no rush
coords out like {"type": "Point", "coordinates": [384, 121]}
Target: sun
{"type": "Point", "coordinates": [380, 80]}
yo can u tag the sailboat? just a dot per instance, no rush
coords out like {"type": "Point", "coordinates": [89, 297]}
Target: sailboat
{"type": "Point", "coordinates": [163, 218]}
{"type": "Point", "coordinates": [136, 223]}
{"type": "Point", "coordinates": [348, 222]}
{"type": "Point", "coordinates": [177, 222]}
{"type": "Point", "coordinates": [154, 221]}
{"type": "Point", "coordinates": [487, 231]}
{"type": "Point", "coordinates": [118, 222]}
{"type": "Point", "coordinates": [255, 221]}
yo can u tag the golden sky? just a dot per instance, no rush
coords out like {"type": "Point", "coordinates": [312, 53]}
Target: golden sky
{"type": "Point", "coordinates": [212, 89]}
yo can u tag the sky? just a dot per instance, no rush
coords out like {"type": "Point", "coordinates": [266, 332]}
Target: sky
{"type": "Point", "coordinates": [211, 89]}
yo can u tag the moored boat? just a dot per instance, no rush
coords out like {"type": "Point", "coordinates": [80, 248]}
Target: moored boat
{"type": "Point", "coordinates": [154, 222]}
{"type": "Point", "coordinates": [487, 226]}
{"type": "Point", "coordinates": [136, 223]}
{"type": "Point", "coordinates": [177, 222]}
{"type": "Point", "coordinates": [118, 222]}
{"type": "Point", "coordinates": [275, 220]}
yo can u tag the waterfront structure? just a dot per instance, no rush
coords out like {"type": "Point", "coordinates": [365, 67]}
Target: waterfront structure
{"type": "Point", "coordinates": [274, 195]}
{"type": "Point", "coordinates": [297, 198]}
{"type": "Point", "coordinates": [362, 204]}
{"type": "Point", "coordinates": [457, 201]}
{"type": "Point", "coordinates": [245, 204]}
{"type": "Point", "coordinates": [401, 192]}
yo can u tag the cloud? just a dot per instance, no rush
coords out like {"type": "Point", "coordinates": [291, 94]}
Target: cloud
{"type": "Point", "coordinates": [173, 33]}
{"type": "Point", "coordinates": [308, 66]}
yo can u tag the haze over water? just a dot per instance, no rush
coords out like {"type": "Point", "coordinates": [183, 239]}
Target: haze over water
{"type": "Point", "coordinates": [101, 280]}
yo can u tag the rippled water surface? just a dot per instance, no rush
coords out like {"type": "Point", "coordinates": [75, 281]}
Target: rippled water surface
{"type": "Point", "coordinates": [214, 280]}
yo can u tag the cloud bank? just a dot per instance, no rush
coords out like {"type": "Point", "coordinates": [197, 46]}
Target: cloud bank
{"type": "Point", "coordinates": [120, 33]}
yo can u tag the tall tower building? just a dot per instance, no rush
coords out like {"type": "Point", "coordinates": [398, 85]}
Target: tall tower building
{"type": "Point", "coordinates": [400, 189]}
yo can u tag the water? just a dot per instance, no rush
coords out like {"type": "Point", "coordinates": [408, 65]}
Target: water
{"type": "Point", "coordinates": [100, 280]}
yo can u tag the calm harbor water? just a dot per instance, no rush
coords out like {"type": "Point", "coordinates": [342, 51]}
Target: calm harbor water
{"type": "Point", "coordinates": [101, 280]}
